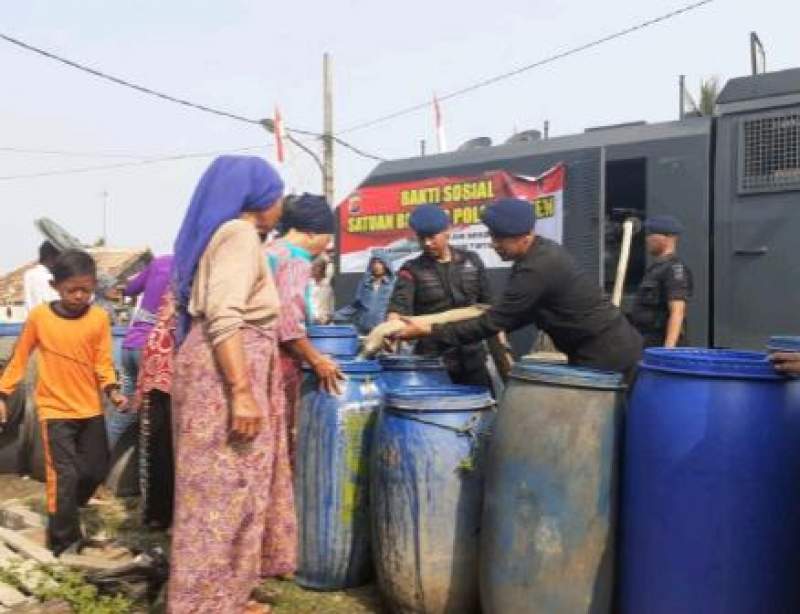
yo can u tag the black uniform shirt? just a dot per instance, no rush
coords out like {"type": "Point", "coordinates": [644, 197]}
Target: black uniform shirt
{"type": "Point", "coordinates": [547, 289]}
{"type": "Point", "coordinates": [666, 279]}
{"type": "Point", "coordinates": [426, 286]}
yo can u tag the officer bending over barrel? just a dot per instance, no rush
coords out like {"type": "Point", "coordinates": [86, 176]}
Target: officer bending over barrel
{"type": "Point", "coordinates": [441, 278]}
{"type": "Point", "coordinates": [660, 308]}
{"type": "Point", "coordinates": [547, 289]}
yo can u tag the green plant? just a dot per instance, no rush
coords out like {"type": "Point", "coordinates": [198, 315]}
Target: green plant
{"type": "Point", "coordinates": [59, 583]}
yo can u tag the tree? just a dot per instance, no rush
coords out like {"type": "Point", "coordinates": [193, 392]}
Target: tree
{"type": "Point", "coordinates": [709, 91]}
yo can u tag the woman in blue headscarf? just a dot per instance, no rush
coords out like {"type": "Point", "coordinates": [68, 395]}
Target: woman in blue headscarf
{"type": "Point", "coordinates": [227, 393]}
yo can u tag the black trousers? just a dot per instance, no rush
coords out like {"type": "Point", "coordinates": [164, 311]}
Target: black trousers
{"type": "Point", "coordinates": [157, 464]}
{"type": "Point", "coordinates": [76, 463]}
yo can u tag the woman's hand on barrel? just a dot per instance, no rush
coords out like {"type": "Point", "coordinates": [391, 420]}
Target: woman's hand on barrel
{"type": "Point", "coordinates": [246, 416]}
{"type": "Point", "coordinates": [786, 362]}
{"type": "Point", "coordinates": [329, 374]}
{"type": "Point", "coordinates": [414, 329]}
{"type": "Point", "coordinates": [3, 412]}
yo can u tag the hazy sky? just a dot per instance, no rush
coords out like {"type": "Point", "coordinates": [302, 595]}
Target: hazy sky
{"type": "Point", "coordinates": [248, 56]}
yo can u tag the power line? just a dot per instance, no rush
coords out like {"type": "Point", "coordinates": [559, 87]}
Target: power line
{"type": "Point", "coordinates": [146, 90]}
{"type": "Point", "coordinates": [357, 150]}
{"type": "Point", "coordinates": [522, 69]}
{"type": "Point", "coordinates": [124, 82]}
{"type": "Point", "coordinates": [104, 167]}
{"type": "Point", "coordinates": [147, 160]}
{"type": "Point", "coordinates": [73, 154]}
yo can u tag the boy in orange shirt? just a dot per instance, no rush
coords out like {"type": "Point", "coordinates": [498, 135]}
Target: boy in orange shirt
{"type": "Point", "coordinates": [74, 359]}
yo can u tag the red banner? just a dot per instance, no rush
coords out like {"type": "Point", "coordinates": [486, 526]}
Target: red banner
{"type": "Point", "coordinates": [374, 219]}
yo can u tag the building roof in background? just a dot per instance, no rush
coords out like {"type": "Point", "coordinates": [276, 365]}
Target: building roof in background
{"type": "Point", "coordinates": [113, 261]}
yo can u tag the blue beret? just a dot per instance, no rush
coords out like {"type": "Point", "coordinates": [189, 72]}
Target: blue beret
{"type": "Point", "coordinates": [429, 220]}
{"type": "Point", "coordinates": [663, 225]}
{"type": "Point", "coordinates": [509, 217]}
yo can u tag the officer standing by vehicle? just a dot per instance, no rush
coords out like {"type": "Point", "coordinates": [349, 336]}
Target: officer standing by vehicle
{"type": "Point", "coordinates": [660, 308]}
{"type": "Point", "coordinates": [545, 288]}
{"type": "Point", "coordinates": [443, 277]}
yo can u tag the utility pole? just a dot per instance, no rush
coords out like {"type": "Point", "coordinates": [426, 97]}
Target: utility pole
{"type": "Point", "coordinates": [327, 138]}
{"type": "Point", "coordinates": [681, 96]}
{"type": "Point", "coordinates": [104, 194]}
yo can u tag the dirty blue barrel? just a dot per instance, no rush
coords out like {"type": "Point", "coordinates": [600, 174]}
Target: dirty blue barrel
{"type": "Point", "coordinates": [426, 489]}
{"type": "Point", "coordinates": [334, 339]}
{"type": "Point", "coordinates": [331, 479]}
{"type": "Point", "coordinates": [409, 370]}
{"type": "Point", "coordinates": [547, 541]}
{"type": "Point", "coordinates": [711, 504]}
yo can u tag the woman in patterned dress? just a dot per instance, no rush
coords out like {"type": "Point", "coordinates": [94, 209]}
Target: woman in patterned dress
{"type": "Point", "coordinates": [231, 460]}
{"type": "Point", "coordinates": [306, 228]}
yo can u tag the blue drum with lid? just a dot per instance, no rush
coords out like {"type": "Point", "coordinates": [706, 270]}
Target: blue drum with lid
{"type": "Point", "coordinates": [710, 493]}
{"type": "Point", "coordinates": [400, 371]}
{"type": "Point", "coordinates": [331, 478]}
{"type": "Point", "coordinates": [426, 486]}
{"type": "Point", "coordinates": [335, 339]}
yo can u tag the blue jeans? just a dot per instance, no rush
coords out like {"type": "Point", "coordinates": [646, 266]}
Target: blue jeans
{"type": "Point", "coordinates": [118, 422]}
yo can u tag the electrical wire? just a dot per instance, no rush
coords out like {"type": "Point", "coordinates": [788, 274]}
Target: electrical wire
{"type": "Point", "coordinates": [522, 69]}
{"type": "Point", "coordinates": [146, 90]}
{"type": "Point", "coordinates": [104, 167]}
{"type": "Point", "coordinates": [72, 154]}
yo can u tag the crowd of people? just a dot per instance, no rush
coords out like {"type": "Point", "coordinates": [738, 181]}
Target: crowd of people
{"type": "Point", "coordinates": [211, 363]}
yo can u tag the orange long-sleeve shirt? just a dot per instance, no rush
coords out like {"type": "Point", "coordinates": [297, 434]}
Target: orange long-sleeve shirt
{"type": "Point", "coordinates": [74, 360]}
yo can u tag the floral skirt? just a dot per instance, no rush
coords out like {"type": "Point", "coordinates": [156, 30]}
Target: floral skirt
{"type": "Point", "coordinates": [234, 505]}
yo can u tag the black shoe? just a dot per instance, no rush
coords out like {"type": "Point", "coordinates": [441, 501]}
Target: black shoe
{"type": "Point", "coordinates": [74, 548]}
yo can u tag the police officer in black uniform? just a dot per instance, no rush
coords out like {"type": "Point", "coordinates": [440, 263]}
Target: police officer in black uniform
{"type": "Point", "coordinates": [547, 289]}
{"type": "Point", "coordinates": [442, 277]}
{"type": "Point", "coordinates": [660, 308]}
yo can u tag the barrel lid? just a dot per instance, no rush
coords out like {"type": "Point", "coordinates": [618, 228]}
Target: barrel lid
{"type": "Point", "coordinates": [705, 362]}
{"type": "Point", "coordinates": [352, 364]}
{"type": "Point", "coordinates": [784, 343]}
{"type": "Point", "coordinates": [566, 375]}
{"type": "Point", "coordinates": [409, 362]}
{"type": "Point", "coordinates": [331, 330]}
{"type": "Point", "coordinates": [448, 397]}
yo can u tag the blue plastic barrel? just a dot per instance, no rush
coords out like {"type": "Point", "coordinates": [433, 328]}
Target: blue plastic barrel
{"type": "Point", "coordinates": [711, 501]}
{"type": "Point", "coordinates": [426, 489]}
{"type": "Point", "coordinates": [401, 371]}
{"type": "Point", "coordinates": [10, 329]}
{"type": "Point", "coordinates": [331, 479]}
{"type": "Point", "coordinates": [14, 434]}
{"type": "Point", "coordinates": [334, 339]}
{"type": "Point", "coordinates": [547, 541]}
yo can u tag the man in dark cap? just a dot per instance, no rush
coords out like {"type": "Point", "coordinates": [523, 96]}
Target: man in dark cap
{"type": "Point", "coordinates": [443, 277]}
{"type": "Point", "coordinates": [547, 289]}
{"type": "Point", "coordinates": [660, 308]}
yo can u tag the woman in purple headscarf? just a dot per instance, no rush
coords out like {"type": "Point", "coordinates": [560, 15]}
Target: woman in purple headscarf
{"type": "Point", "coordinates": [230, 438]}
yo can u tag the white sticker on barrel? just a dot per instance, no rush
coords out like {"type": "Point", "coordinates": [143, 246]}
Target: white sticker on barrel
{"type": "Point", "coordinates": [548, 536]}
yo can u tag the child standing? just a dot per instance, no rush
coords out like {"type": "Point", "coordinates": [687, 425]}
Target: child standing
{"type": "Point", "coordinates": [74, 359]}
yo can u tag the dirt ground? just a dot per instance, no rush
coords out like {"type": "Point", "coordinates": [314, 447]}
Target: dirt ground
{"type": "Point", "coordinates": [118, 518]}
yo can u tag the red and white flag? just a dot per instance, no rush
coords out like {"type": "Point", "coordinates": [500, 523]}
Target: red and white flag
{"type": "Point", "coordinates": [441, 141]}
{"type": "Point", "coordinates": [280, 153]}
